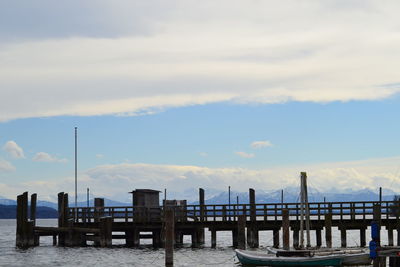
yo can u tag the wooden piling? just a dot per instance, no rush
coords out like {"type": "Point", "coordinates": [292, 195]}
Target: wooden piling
{"type": "Point", "coordinates": [235, 238]}
{"type": "Point", "coordinates": [296, 235]}
{"type": "Point", "coordinates": [376, 210]}
{"type": "Point", "coordinates": [105, 224]}
{"type": "Point", "coordinates": [61, 236]}
{"type": "Point", "coordinates": [33, 207]}
{"type": "Point", "coordinates": [25, 234]}
{"type": "Point", "coordinates": [390, 236]}
{"type": "Point", "coordinates": [328, 227]}
{"type": "Point", "coordinates": [156, 239]}
{"type": "Point", "coordinates": [201, 203]}
{"type": "Point", "coordinates": [128, 238]}
{"type": "Point", "coordinates": [169, 237]}
{"type": "Point", "coordinates": [318, 236]}
{"type": "Point", "coordinates": [22, 219]}
{"type": "Point", "coordinates": [98, 208]}
{"type": "Point", "coordinates": [33, 218]}
{"type": "Point", "coordinates": [136, 237]}
{"type": "Point", "coordinates": [276, 238]}
{"type": "Point", "coordinates": [200, 236]}
{"type": "Point", "coordinates": [252, 201]}
{"type": "Point", "coordinates": [343, 237]}
{"type": "Point", "coordinates": [241, 229]}
{"type": "Point", "coordinates": [398, 236]}
{"type": "Point", "coordinates": [362, 237]}
{"type": "Point", "coordinates": [213, 238]}
{"type": "Point", "coordinates": [285, 229]}
{"type": "Point", "coordinates": [252, 231]}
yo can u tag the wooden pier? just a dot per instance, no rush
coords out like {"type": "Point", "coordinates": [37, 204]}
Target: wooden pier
{"type": "Point", "coordinates": [100, 225]}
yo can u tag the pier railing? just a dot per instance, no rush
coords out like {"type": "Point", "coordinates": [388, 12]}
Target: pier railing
{"type": "Point", "coordinates": [361, 210]}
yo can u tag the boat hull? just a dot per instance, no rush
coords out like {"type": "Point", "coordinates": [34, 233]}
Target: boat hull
{"type": "Point", "coordinates": [262, 259]}
{"type": "Point", "coordinates": [360, 257]}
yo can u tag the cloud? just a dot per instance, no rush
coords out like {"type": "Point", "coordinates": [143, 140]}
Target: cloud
{"type": "Point", "coordinates": [260, 144]}
{"type": "Point", "coordinates": [99, 156]}
{"type": "Point", "coordinates": [116, 180]}
{"type": "Point", "coordinates": [45, 157]}
{"type": "Point", "coordinates": [156, 57]}
{"type": "Point", "coordinates": [14, 150]}
{"type": "Point", "coordinates": [203, 154]}
{"type": "Point", "coordinates": [6, 166]}
{"type": "Point", "coordinates": [244, 154]}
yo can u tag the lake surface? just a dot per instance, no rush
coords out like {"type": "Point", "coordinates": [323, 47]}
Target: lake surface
{"type": "Point", "coordinates": [48, 255]}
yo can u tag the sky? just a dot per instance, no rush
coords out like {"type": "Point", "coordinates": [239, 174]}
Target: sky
{"type": "Point", "coordinates": [187, 94]}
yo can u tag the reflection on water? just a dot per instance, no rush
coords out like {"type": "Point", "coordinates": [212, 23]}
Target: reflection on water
{"type": "Point", "coordinates": [48, 255]}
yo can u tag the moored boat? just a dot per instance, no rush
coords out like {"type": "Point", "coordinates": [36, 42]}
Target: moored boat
{"type": "Point", "coordinates": [263, 259]}
{"type": "Point", "coordinates": [354, 256]}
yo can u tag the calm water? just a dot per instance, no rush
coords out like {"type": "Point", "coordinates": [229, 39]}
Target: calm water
{"type": "Point", "coordinates": [48, 255]}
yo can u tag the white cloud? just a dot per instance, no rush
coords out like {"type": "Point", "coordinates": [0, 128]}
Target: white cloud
{"type": "Point", "coordinates": [244, 154]}
{"type": "Point", "coordinates": [118, 179]}
{"type": "Point", "coordinates": [45, 157]}
{"type": "Point", "coordinates": [260, 52]}
{"type": "Point", "coordinates": [203, 154]}
{"type": "Point", "coordinates": [260, 144]}
{"type": "Point", "coordinates": [6, 166]}
{"type": "Point", "coordinates": [99, 156]}
{"type": "Point", "coordinates": [14, 150]}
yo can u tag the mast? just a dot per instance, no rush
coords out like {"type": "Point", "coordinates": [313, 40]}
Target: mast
{"type": "Point", "coordinates": [76, 171]}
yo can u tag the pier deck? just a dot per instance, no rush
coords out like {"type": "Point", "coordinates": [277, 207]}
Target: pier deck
{"type": "Point", "coordinates": [100, 224]}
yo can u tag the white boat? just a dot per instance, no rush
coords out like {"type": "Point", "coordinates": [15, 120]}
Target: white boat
{"type": "Point", "coordinates": [263, 259]}
{"type": "Point", "coordinates": [352, 256]}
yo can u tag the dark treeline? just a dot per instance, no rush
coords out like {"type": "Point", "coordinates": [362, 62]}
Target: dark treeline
{"type": "Point", "coordinates": [10, 212]}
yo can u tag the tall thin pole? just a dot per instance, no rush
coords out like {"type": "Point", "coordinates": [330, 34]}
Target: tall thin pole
{"type": "Point", "coordinates": [76, 171]}
{"type": "Point", "coordinates": [301, 213]}
{"type": "Point", "coordinates": [229, 201]}
{"type": "Point", "coordinates": [307, 209]}
{"type": "Point", "coordinates": [87, 197]}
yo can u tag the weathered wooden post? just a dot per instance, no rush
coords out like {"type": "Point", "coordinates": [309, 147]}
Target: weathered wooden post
{"type": "Point", "coordinates": [33, 218]}
{"type": "Point", "coordinates": [22, 218]}
{"type": "Point", "coordinates": [285, 229]}
{"type": "Point", "coordinates": [200, 230]}
{"type": "Point", "coordinates": [362, 237]}
{"type": "Point", "coordinates": [318, 235]}
{"type": "Point", "coordinates": [61, 236]}
{"type": "Point", "coordinates": [105, 224]}
{"type": "Point", "coordinates": [129, 238]}
{"type": "Point", "coordinates": [195, 238]}
{"type": "Point", "coordinates": [252, 231]}
{"type": "Point", "coordinates": [169, 237]}
{"type": "Point", "coordinates": [99, 208]}
{"type": "Point", "coordinates": [25, 234]}
{"type": "Point", "coordinates": [343, 236]}
{"type": "Point", "coordinates": [375, 244]}
{"type": "Point", "coordinates": [156, 238]}
{"type": "Point", "coordinates": [390, 236]}
{"type": "Point", "coordinates": [296, 235]}
{"type": "Point", "coordinates": [214, 238]}
{"type": "Point", "coordinates": [241, 229]}
{"type": "Point", "coordinates": [328, 227]}
{"type": "Point", "coordinates": [33, 207]}
{"type": "Point", "coordinates": [275, 233]}
{"type": "Point", "coordinates": [136, 237]}
{"type": "Point", "coordinates": [201, 203]}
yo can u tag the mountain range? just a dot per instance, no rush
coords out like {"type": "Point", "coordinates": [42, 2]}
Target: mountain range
{"type": "Point", "coordinates": [214, 196]}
